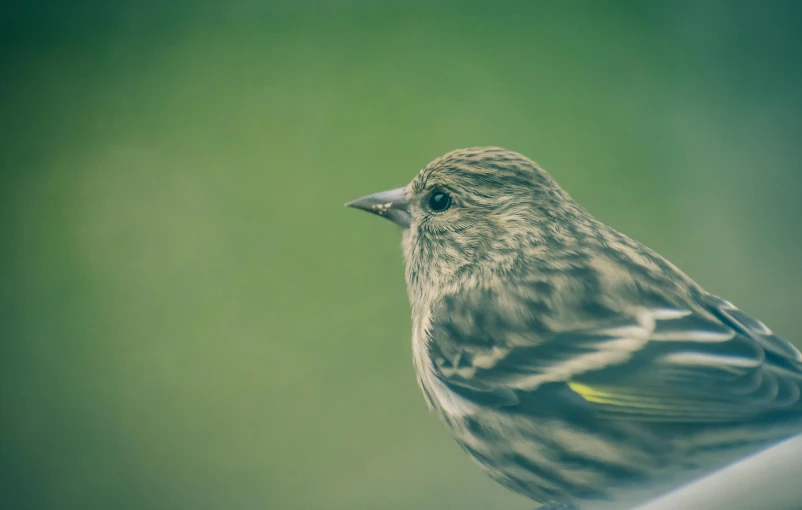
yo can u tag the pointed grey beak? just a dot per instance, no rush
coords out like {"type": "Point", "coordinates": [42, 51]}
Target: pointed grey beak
{"type": "Point", "coordinates": [388, 204]}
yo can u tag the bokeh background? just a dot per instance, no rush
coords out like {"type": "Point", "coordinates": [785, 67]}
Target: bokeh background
{"type": "Point", "coordinates": [189, 318]}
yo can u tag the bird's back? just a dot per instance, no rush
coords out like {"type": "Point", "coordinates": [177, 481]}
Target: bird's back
{"type": "Point", "coordinates": [580, 380]}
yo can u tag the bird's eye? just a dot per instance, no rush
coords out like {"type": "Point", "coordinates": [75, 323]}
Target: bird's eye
{"type": "Point", "coordinates": [439, 201]}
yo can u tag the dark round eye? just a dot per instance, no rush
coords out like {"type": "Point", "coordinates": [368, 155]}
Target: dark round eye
{"type": "Point", "coordinates": [439, 201]}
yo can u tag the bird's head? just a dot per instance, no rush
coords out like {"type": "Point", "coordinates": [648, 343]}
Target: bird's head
{"type": "Point", "coordinates": [472, 212]}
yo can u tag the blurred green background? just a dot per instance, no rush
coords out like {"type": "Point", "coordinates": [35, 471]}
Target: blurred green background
{"type": "Point", "coordinates": [191, 319]}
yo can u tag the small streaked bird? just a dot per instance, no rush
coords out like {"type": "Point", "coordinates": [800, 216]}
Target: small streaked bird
{"type": "Point", "coordinates": [573, 364]}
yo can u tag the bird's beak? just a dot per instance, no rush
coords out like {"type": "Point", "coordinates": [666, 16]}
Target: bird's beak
{"type": "Point", "coordinates": [392, 205]}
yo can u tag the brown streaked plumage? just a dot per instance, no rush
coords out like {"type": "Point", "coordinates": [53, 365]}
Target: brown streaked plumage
{"type": "Point", "coordinates": [575, 365]}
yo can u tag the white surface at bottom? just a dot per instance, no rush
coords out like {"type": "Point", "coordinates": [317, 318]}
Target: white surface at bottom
{"type": "Point", "coordinates": [768, 480]}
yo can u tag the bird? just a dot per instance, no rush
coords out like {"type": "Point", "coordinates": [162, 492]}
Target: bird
{"type": "Point", "coordinates": [575, 365]}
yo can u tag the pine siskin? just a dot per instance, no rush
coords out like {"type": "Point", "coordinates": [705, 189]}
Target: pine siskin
{"type": "Point", "coordinates": [575, 365]}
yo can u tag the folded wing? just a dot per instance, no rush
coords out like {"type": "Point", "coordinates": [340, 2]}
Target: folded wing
{"type": "Point", "coordinates": [654, 364]}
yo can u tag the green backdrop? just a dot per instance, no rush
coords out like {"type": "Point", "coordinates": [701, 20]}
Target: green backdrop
{"type": "Point", "coordinates": [190, 319]}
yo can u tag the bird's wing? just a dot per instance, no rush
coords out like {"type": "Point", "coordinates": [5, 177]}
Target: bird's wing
{"type": "Point", "coordinates": [715, 364]}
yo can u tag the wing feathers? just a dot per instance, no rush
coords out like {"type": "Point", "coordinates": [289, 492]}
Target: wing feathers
{"type": "Point", "coordinates": [661, 364]}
